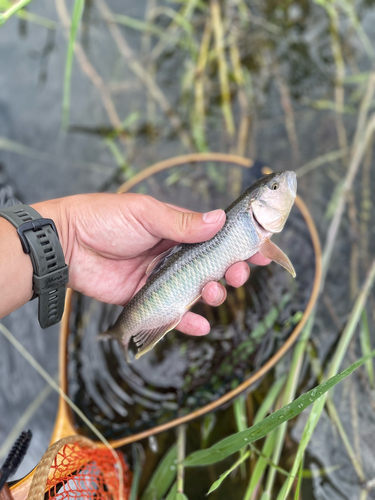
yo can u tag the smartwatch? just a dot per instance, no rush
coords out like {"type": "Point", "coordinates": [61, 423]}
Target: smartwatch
{"type": "Point", "coordinates": [39, 239]}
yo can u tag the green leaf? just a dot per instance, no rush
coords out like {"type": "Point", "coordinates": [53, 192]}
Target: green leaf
{"type": "Point", "coordinates": [270, 399]}
{"type": "Point", "coordinates": [231, 444]}
{"type": "Point", "coordinates": [172, 492]}
{"type": "Point", "coordinates": [163, 476]}
{"type": "Point", "coordinates": [181, 496]}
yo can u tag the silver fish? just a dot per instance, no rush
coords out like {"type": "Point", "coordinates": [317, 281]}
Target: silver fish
{"type": "Point", "coordinates": [177, 277]}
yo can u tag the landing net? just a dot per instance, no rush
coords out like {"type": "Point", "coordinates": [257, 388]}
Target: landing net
{"type": "Point", "coordinates": [76, 468]}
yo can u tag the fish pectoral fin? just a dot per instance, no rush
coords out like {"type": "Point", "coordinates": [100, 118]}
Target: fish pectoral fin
{"type": "Point", "coordinates": [156, 261]}
{"type": "Point", "coordinates": [146, 339]}
{"type": "Point", "coordinates": [271, 251]}
{"type": "Point", "coordinates": [160, 261]}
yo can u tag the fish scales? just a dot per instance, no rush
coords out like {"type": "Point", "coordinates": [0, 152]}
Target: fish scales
{"type": "Point", "coordinates": [176, 285]}
{"type": "Point", "coordinates": [177, 282]}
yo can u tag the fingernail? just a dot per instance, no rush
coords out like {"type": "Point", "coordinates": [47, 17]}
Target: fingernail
{"type": "Point", "coordinates": [212, 217]}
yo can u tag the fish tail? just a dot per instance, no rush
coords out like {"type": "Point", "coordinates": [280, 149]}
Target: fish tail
{"type": "Point", "coordinates": [116, 332]}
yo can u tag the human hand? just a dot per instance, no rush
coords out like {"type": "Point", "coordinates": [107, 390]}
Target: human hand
{"type": "Point", "coordinates": [109, 240]}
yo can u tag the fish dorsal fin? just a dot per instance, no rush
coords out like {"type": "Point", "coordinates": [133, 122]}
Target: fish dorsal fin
{"type": "Point", "coordinates": [271, 251]}
{"type": "Point", "coordinates": [146, 339]}
{"type": "Point", "coordinates": [160, 261]}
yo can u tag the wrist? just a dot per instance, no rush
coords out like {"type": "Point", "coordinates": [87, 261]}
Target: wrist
{"type": "Point", "coordinates": [57, 211]}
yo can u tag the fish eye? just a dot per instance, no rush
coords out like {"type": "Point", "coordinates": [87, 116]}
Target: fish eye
{"type": "Point", "coordinates": [274, 186]}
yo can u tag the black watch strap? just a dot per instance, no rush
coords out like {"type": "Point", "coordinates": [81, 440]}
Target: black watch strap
{"type": "Point", "coordinates": [39, 238]}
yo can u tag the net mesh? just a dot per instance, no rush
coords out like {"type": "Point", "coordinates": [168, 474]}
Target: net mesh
{"type": "Point", "coordinates": [78, 469]}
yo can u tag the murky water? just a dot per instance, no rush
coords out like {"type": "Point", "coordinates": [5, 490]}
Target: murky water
{"type": "Point", "coordinates": [283, 115]}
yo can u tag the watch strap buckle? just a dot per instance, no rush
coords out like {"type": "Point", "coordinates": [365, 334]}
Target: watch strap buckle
{"type": "Point", "coordinates": [34, 225]}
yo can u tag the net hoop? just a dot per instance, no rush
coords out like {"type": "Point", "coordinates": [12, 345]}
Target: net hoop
{"type": "Point", "coordinates": [64, 427]}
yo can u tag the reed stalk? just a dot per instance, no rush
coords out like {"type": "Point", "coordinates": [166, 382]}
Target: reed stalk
{"type": "Point", "coordinates": [222, 65]}
{"type": "Point", "coordinates": [143, 76]}
{"type": "Point", "coordinates": [335, 363]}
{"type": "Point", "coordinates": [4, 16]}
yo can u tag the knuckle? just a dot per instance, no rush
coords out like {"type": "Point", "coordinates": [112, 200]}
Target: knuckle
{"type": "Point", "coordinates": [184, 223]}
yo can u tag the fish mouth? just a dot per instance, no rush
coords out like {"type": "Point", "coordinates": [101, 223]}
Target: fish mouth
{"type": "Point", "coordinates": [292, 182]}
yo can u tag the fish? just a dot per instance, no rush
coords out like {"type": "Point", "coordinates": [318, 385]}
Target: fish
{"type": "Point", "coordinates": [177, 277]}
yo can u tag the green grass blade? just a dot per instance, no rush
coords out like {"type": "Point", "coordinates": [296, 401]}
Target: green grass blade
{"type": "Point", "coordinates": [208, 423]}
{"type": "Point", "coordinates": [288, 394]}
{"type": "Point", "coordinates": [181, 445]}
{"type": "Point", "coordinates": [350, 10]}
{"type": "Point", "coordinates": [136, 473]}
{"type": "Point", "coordinates": [76, 19]}
{"type": "Point", "coordinates": [234, 443]}
{"type": "Point", "coordinates": [260, 466]}
{"type": "Point", "coordinates": [12, 10]}
{"type": "Point", "coordinates": [240, 415]}
{"type": "Point", "coordinates": [366, 347]}
{"type": "Point", "coordinates": [29, 16]}
{"type": "Point", "coordinates": [345, 439]}
{"type": "Point", "coordinates": [337, 359]}
{"type": "Point", "coordinates": [163, 476]}
{"type": "Point", "coordinates": [298, 489]}
{"type": "Point", "coordinates": [139, 25]}
{"type": "Point", "coordinates": [225, 474]}
{"type": "Point", "coordinates": [269, 400]}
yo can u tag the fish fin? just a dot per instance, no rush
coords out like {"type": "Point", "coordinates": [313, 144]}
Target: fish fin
{"type": "Point", "coordinates": [193, 301]}
{"type": "Point", "coordinates": [115, 333]}
{"type": "Point", "coordinates": [271, 251]}
{"type": "Point", "coordinates": [152, 265]}
{"type": "Point", "coordinates": [146, 339]}
{"type": "Point", "coordinates": [104, 336]}
{"type": "Point", "coordinates": [160, 261]}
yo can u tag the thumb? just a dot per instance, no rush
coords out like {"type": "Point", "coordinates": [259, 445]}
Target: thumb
{"type": "Point", "coordinates": [181, 225]}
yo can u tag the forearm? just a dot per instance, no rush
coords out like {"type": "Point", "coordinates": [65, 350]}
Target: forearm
{"type": "Point", "coordinates": [16, 271]}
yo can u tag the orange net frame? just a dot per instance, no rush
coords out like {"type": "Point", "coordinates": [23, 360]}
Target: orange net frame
{"type": "Point", "coordinates": [76, 467]}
